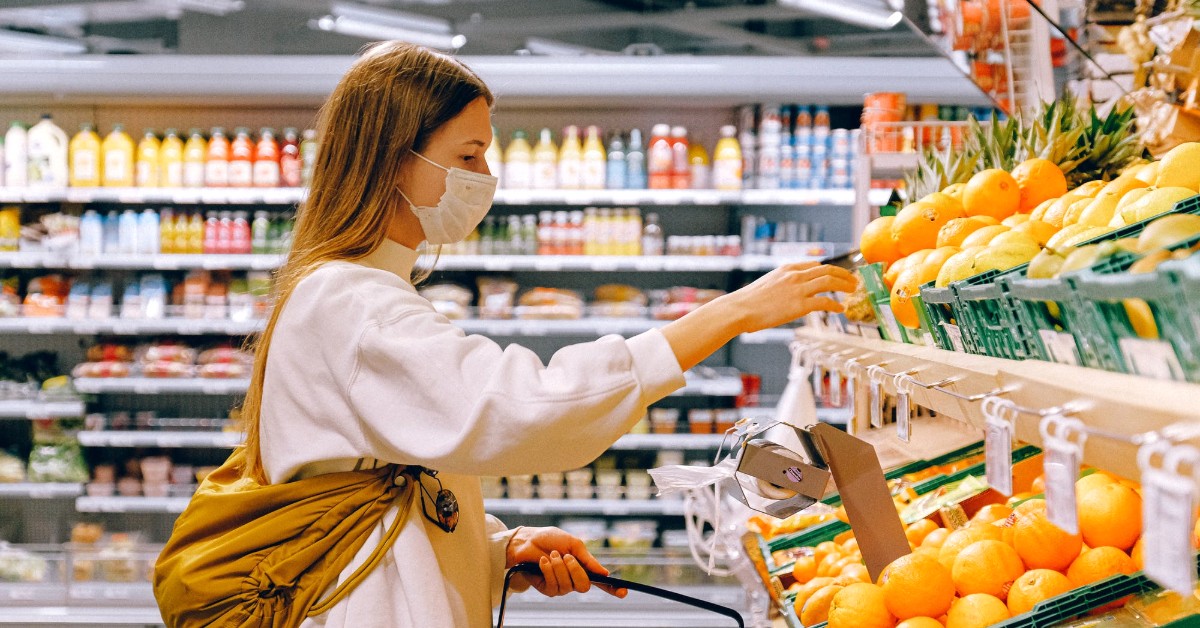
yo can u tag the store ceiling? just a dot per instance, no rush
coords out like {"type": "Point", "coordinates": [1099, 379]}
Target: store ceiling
{"type": "Point", "coordinates": [490, 27]}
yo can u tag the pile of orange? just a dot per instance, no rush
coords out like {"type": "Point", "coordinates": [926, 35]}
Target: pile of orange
{"type": "Point", "coordinates": [1003, 563]}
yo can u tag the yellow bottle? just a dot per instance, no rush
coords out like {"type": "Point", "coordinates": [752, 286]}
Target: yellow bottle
{"type": "Point", "coordinates": [118, 149]}
{"type": "Point", "coordinates": [570, 160]}
{"type": "Point", "coordinates": [545, 163]}
{"type": "Point", "coordinates": [166, 231]}
{"type": "Point", "coordinates": [147, 160]}
{"type": "Point", "coordinates": [518, 163]}
{"type": "Point", "coordinates": [195, 154]}
{"type": "Point", "coordinates": [195, 234]}
{"type": "Point", "coordinates": [495, 158]}
{"type": "Point", "coordinates": [170, 161]}
{"type": "Point", "coordinates": [595, 161]}
{"type": "Point", "coordinates": [85, 158]}
{"type": "Point", "coordinates": [727, 161]}
{"type": "Point", "coordinates": [699, 166]}
{"type": "Point", "coordinates": [181, 234]}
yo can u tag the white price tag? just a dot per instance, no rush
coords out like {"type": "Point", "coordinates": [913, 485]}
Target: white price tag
{"type": "Point", "coordinates": [606, 264]}
{"type": "Point", "coordinates": [165, 440]}
{"type": "Point", "coordinates": [85, 329]}
{"type": "Point", "coordinates": [494, 264]}
{"type": "Point", "coordinates": [39, 327]}
{"type": "Point", "coordinates": [852, 402]}
{"type": "Point", "coordinates": [889, 321]}
{"type": "Point", "coordinates": [527, 508]}
{"type": "Point", "coordinates": [38, 492]}
{"type": "Point", "coordinates": [547, 263]}
{"type": "Point", "coordinates": [615, 509]}
{"type": "Point", "coordinates": [869, 331]}
{"type": "Point", "coordinates": [997, 446]}
{"type": "Point", "coordinates": [215, 263]}
{"type": "Point", "coordinates": [876, 401]}
{"type": "Point", "coordinates": [165, 262]}
{"type": "Point", "coordinates": [515, 197]}
{"type": "Point", "coordinates": [1063, 440]}
{"type": "Point", "coordinates": [955, 335]}
{"type": "Point", "coordinates": [77, 195]}
{"type": "Point", "coordinates": [903, 420]}
{"type": "Point", "coordinates": [131, 195]}
{"type": "Point", "coordinates": [1060, 346]}
{"type": "Point", "coordinates": [1168, 503]}
{"type": "Point", "coordinates": [835, 388]}
{"type": "Point", "coordinates": [146, 388]}
{"type": "Point", "coordinates": [1152, 358]}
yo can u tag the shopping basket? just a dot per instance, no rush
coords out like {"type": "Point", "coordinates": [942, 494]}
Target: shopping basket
{"type": "Point", "coordinates": [533, 570]}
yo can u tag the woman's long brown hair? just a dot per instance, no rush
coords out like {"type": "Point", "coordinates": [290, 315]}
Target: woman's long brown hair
{"type": "Point", "coordinates": [390, 101]}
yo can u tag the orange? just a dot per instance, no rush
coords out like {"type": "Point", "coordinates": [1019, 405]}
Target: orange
{"type": "Point", "coordinates": [1015, 220]}
{"type": "Point", "coordinates": [1089, 482]}
{"type": "Point", "coordinates": [977, 610]}
{"type": "Point", "coordinates": [936, 538]}
{"type": "Point", "coordinates": [908, 285]}
{"type": "Point", "coordinates": [986, 567]}
{"type": "Point", "coordinates": [807, 590]}
{"type": "Point", "coordinates": [916, 226]}
{"type": "Point", "coordinates": [991, 513]}
{"type": "Point", "coordinates": [939, 256]}
{"type": "Point", "coordinates": [804, 569]}
{"type": "Point", "coordinates": [1040, 231]}
{"type": "Point", "coordinates": [850, 544]}
{"type": "Point", "coordinates": [1038, 179]}
{"type": "Point", "coordinates": [920, 622]}
{"type": "Point", "coordinates": [952, 233]}
{"type": "Point", "coordinates": [827, 565]}
{"type": "Point", "coordinates": [1111, 515]}
{"type": "Point", "coordinates": [860, 605]}
{"type": "Point", "coordinates": [1039, 484]}
{"type": "Point", "coordinates": [1035, 586]}
{"type": "Point", "coordinates": [917, 531]}
{"type": "Point", "coordinates": [916, 585]}
{"type": "Point", "coordinates": [982, 237]}
{"type": "Point", "coordinates": [1099, 563]}
{"type": "Point", "coordinates": [961, 538]}
{"type": "Point", "coordinates": [1043, 545]}
{"type": "Point", "coordinates": [877, 244]}
{"type": "Point", "coordinates": [992, 193]}
{"type": "Point", "coordinates": [893, 270]}
{"type": "Point", "coordinates": [825, 549]}
{"type": "Point", "coordinates": [856, 573]}
{"type": "Point", "coordinates": [1136, 555]}
{"type": "Point", "coordinates": [816, 609]}
{"type": "Point", "coordinates": [1030, 506]}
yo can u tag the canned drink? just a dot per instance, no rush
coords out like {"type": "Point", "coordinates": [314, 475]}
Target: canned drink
{"type": "Point", "coordinates": [839, 142]}
{"type": "Point", "coordinates": [839, 181]}
{"type": "Point", "coordinates": [839, 167]}
{"type": "Point", "coordinates": [803, 136]}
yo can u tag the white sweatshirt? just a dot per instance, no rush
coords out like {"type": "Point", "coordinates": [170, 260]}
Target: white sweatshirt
{"type": "Point", "coordinates": [362, 366]}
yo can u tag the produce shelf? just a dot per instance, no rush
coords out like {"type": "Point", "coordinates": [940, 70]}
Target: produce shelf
{"type": "Point", "coordinates": [605, 507]}
{"type": "Point", "coordinates": [165, 439]}
{"type": "Point", "coordinates": [41, 490]}
{"type": "Point", "coordinates": [173, 505]}
{"type": "Point", "coordinates": [164, 386]}
{"type": "Point", "coordinates": [25, 409]}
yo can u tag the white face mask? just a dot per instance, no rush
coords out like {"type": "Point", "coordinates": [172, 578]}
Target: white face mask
{"type": "Point", "coordinates": [467, 199]}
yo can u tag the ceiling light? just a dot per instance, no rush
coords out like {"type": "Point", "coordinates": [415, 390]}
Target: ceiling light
{"type": "Point", "coordinates": [378, 32]}
{"type": "Point", "coordinates": [880, 18]}
{"type": "Point", "coordinates": [18, 42]}
{"type": "Point", "coordinates": [555, 48]}
{"type": "Point", "coordinates": [385, 17]}
{"type": "Point", "coordinates": [212, 7]}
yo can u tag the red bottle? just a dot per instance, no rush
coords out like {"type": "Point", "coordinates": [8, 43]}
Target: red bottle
{"type": "Point", "coordinates": [290, 164]}
{"type": "Point", "coordinates": [241, 160]}
{"type": "Point", "coordinates": [660, 159]}
{"type": "Point", "coordinates": [266, 160]}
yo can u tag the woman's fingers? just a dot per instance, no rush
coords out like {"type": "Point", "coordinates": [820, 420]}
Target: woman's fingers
{"type": "Point", "coordinates": [613, 591]}
{"type": "Point", "coordinates": [549, 578]}
{"type": "Point", "coordinates": [562, 578]}
{"type": "Point", "coordinates": [822, 304]}
{"type": "Point", "coordinates": [579, 577]}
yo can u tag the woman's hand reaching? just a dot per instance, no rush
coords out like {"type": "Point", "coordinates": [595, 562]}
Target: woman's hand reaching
{"type": "Point", "coordinates": [563, 559]}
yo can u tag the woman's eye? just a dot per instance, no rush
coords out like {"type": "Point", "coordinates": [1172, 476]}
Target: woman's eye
{"type": "Point", "coordinates": [468, 158]}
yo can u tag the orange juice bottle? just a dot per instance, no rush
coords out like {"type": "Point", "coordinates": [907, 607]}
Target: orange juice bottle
{"type": "Point", "coordinates": [85, 158]}
{"type": "Point", "coordinates": [195, 152]}
{"type": "Point", "coordinates": [118, 150]}
{"type": "Point", "coordinates": [241, 160]}
{"type": "Point", "coordinates": [147, 160]}
{"type": "Point", "coordinates": [170, 160]}
{"type": "Point", "coordinates": [216, 165]}
{"type": "Point", "coordinates": [195, 234]}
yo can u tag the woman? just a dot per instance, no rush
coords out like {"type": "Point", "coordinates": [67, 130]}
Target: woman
{"type": "Point", "coordinates": [356, 368]}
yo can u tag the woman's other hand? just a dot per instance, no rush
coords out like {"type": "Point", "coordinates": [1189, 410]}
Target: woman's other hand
{"type": "Point", "coordinates": [563, 559]}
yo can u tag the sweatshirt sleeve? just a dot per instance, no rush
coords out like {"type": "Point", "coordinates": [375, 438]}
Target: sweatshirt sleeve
{"type": "Point", "coordinates": [499, 537]}
{"type": "Point", "coordinates": [427, 394]}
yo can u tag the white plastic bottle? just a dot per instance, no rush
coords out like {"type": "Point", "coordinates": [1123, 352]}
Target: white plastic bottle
{"type": "Point", "coordinates": [48, 155]}
{"type": "Point", "coordinates": [148, 233]}
{"type": "Point", "coordinates": [16, 156]}
{"type": "Point", "coordinates": [127, 233]}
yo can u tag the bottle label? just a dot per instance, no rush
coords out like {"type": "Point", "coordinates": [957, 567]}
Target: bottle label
{"type": "Point", "coordinates": [662, 160]}
{"type": "Point", "coordinates": [193, 174]}
{"type": "Point", "coordinates": [216, 173]}
{"type": "Point", "coordinates": [517, 175]}
{"type": "Point", "coordinates": [146, 174]}
{"type": "Point", "coordinates": [266, 174]}
{"type": "Point", "coordinates": [83, 167]}
{"type": "Point", "coordinates": [116, 166]}
{"type": "Point", "coordinates": [289, 171]}
{"type": "Point", "coordinates": [545, 175]}
{"type": "Point", "coordinates": [593, 175]}
{"type": "Point", "coordinates": [568, 174]}
{"type": "Point", "coordinates": [241, 173]}
{"type": "Point", "coordinates": [173, 174]}
{"type": "Point", "coordinates": [727, 174]}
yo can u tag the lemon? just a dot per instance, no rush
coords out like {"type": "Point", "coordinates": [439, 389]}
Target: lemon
{"type": "Point", "coordinates": [1005, 256]}
{"type": "Point", "coordinates": [1060, 240]}
{"type": "Point", "coordinates": [1090, 189]}
{"type": "Point", "coordinates": [1158, 201]}
{"type": "Point", "coordinates": [957, 267]}
{"type": "Point", "coordinates": [1045, 264]}
{"type": "Point", "coordinates": [1099, 212]}
{"type": "Point", "coordinates": [1015, 220]}
{"type": "Point", "coordinates": [1122, 184]}
{"type": "Point", "coordinates": [1167, 231]}
{"type": "Point", "coordinates": [980, 237]}
{"type": "Point", "coordinates": [1148, 173]}
{"type": "Point", "coordinates": [1014, 237]}
{"type": "Point", "coordinates": [1180, 167]}
{"type": "Point", "coordinates": [1075, 211]}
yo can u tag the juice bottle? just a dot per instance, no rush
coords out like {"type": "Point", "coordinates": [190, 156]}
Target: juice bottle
{"type": "Point", "coordinates": [166, 231]}
{"type": "Point", "coordinates": [170, 158]}
{"type": "Point", "coordinates": [183, 240]}
{"type": "Point", "coordinates": [700, 169]}
{"type": "Point", "coordinates": [211, 231]}
{"type": "Point", "coordinates": [239, 234]}
{"type": "Point", "coordinates": [635, 162]}
{"type": "Point", "coordinates": [493, 157]}
{"type": "Point", "coordinates": [260, 232]}
{"type": "Point", "coordinates": [518, 163]}
{"type": "Point", "coordinates": [681, 170]}
{"type": "Point", "coordinates": [216, 163]}
{"type": "Point", "coordinates": [225, 233]}
{"type": "Point", "coordinates": [127, 232]}
{"type": "Point", "coordinates": [85, 158]}
{"type": "Point", "coordinates": [118, 150]}
{"type": "Point", "coordinates": [266, 160]}
{"type": "Point", "coordinates": [290, 165]}
{"type": "Point", "coordinates": [48, 155]}
{"type": "Point", "coordinates": [727, 160]}
{"type": "Point", "coordinates": [148, 232]}
{"type": "Point", "coordinates": [593, 174]}
{"type": "Point", "coordinates": [652, 236]}
{"type": "Point", "coordinates": [195, 234]}
{"type": "Point", "coordinates": [616, 176]}
{"type": "Point", "coordinates": [241, 160]}
{"type": "Point", "coordinates": [570, 160]}
{"type": "Point", "coordinates": [195, 152]}
{"type": "Point", "coordinates": [308, 156]}
{"type": "Point", "coordinates": [16, 156]}
{"type": "Point", "coordinates": [545, 162]}
{"type": "Point", "coordinates": [148, 150]}
{"type": "Point", "coordinates": [660, 159]}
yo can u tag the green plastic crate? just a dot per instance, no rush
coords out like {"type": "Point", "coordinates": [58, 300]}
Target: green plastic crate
{"type": "Point", "coordinates": [881, 304]}
{"type": "Point", "coordinates": [935, 310]}
{"type": "Point", "coordinates": [1103, 288]}
{"type": "Point", "coordinates": [1046, 309]}
{"type": "Point", "coordinates": [989, 312]}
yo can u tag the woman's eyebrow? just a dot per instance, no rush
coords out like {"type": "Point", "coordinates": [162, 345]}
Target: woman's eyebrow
{"type": "Point", "coordinates": [476, 142]}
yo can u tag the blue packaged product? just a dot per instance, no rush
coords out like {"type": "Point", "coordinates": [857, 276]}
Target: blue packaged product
{"type": "Point", "coordinates": [635, 162]}
{"type": "Point", "coordinates": [91, 233]}
{"type": "Point", "coordinates": [787, 163]}
{"type": "Point", "coordinates": [112, 238]}
{"type": "Point", "coordinates": [154, 296]}
{"type": "Point", "coordinates": [100, 304]}
{"type": "Point", "coordinates": [78, 299]}
{"type": "Point", "coordinates": [131, 301]}
{"type": "Point", "coordinates": [617, 175]}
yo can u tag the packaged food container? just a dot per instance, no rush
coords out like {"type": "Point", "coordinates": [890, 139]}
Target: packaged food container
{"type": "Point", "coordinates": [591, 531]}
{"type": "Point", "coordinates": [725, 419]}
{"type": "Point", "coordinates": [156, 469]}
{"type": "Point", "coordinates": [491, 487]}
{"type": "Point", "coordinates": [101, 489]}
{"type": "Point", "coordinates": [664, 420]}
{"type": "Point", "coordinates": [637, 485]}
{"type": "Point", "coordinates": [129, 487]}
{"type": "Point", "coordinates": [701, 421]}
{"type": "Point", "coordinates": [520, 486]}
{"type": "Point", "coordinates": [608, 484]}
{"type": "Point", "coordinates": [579, 477]}
{"type": "Point", "coordinates": [155, 489]}
{"type": "Point", "coordinates": [550, 486]}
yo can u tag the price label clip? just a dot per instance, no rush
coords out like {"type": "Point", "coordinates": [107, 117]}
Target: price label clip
{"type": "Point", "coordinates": [998, 415]}
{"type": "Point", "coordinates": [1062, 439]}
{"type": "Point", "coordinates": [1168, 503]}
{"type": "Point", "coordinates": [904, 387]}
{"type": "Point", "coordinates": [876, 374]}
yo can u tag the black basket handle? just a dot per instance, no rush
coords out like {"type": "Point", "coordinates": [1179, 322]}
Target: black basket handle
{"type": "Point", "coordinates": [533, 570]}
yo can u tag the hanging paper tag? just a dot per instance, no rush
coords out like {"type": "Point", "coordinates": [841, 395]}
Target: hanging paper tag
{"type": "Point", "coordinates": [903, 429]}
{"type": "Point", "coordinates": [852, 402]}
{"type": "Point", "coordinates": [955, 336]}
{"type": "Point", "coordinates": [835, 388]}
{"type": "Point", "coordinates": [876, 402]}
{"type": "Point", "coordinates": [1061, 466]}
{"type": "Point", "coordinates": [1168, 502]}
{"type": "Point", "coordinates": [1152, 358]}
{"type": "Point", "coordinates": [818, 380]}
{"type": "Point", "coordinates": [997, 449]}
{"type": "Point", "coordinates": [1060, 346]}
{"type": "Point", "coordinates": [890, 325]}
